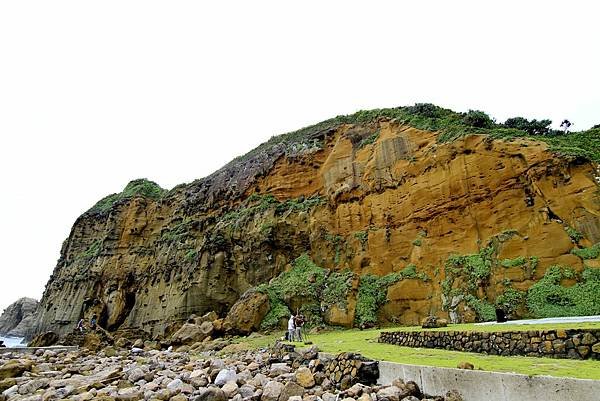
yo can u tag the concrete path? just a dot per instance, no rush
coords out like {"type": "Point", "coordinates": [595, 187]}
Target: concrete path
{"type": "Point", "coordinates": [570, 319]}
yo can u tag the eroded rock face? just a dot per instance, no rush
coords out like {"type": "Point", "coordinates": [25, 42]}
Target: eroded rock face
{"type": "Point", "coordinates": [247, 313]}
{"type": "Point", "coordinates": [44, 340]}
{"type": "Point", "coordinates": [18, 319]}
{"type": "Point", "coordinates": [373, 208]}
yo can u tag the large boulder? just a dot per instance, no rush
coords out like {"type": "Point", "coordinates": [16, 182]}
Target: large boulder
{"type": "Point", "coordinates": [432, 322]}
{"type": "Point", "coordinates": [14, 368]}
{"type": "Point", "coordinates": [44, 340]}
{"type": "Point", "coordinates": [246, 315]}
{"type": "Point", "coordinates": [191, 333]}
{"type": "Point", "coordinates": [272, 391]}
{"type": "Point", "coordinates": [207, 317]}
{"type": "Point", "coordinates": [18, 319]}
{"type": "Point", "coordinates": [304, 377]}
{"type": "Point", "coordinates": [291, 389]}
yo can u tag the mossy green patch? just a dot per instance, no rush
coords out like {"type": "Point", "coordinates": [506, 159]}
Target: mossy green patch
{"type": "Point", "coordinates": [575, 235]}
{"type": "Point", "coordinates": [91, 252]}
{"type": "Point", "coordinates": [372, 293]}
{"type": "Point", "coordinates": [140, 187]}
{"type": "Point", "coordinates": [516, 262]}
{"type": "Point", "coordinates": [371, 139]}
{"type": "Point", "coordinates": [257, 203]}
{"type": "Point", "coordinates": [591, 252]}
{"type": "Point", "coordinates": [548, 298]}
{"type": "Point", "coordinates": [318, 288]}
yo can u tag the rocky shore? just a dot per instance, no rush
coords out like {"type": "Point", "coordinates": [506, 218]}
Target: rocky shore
{"type": "Point", "coordinates": [143, 373]}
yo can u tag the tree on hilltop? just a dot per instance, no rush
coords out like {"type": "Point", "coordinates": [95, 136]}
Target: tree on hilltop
{"type": "Point", "coordinates": [478, 119]}
{"type": "Point", "coordinates": [533, 127]}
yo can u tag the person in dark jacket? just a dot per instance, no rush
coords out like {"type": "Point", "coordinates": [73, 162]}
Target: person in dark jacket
{"type": "Point", "coordinates": [93, 321]}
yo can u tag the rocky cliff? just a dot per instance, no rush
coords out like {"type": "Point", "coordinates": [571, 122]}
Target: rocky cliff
{"type": "Point", "coordinates": [462, 216]}
{"type": "Point", "coordinates": [18, 320]}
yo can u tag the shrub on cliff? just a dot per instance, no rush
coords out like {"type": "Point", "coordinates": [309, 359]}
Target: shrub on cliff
{"type": "Point", "coordinates": [312, 287]}
{"type": "Point", "coordinates": [548, 298]}
{"type": "Point", "coordinates": [140, 187]}
{"type": "Point", "coordinates": [478, 119]}
{"type": "Point", "coordinates": [533, 127]}
{"type": "Point", "coordinates": [372, 293]}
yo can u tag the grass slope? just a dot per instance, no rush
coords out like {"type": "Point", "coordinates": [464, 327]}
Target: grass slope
{"type": "Point", "coordinates": [365, 343]}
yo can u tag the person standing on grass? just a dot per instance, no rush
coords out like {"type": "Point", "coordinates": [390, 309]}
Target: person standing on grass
{"type": "Point", "coordinates": [291, 328]}
{"type": "Point", "coordinates": [298, 323]}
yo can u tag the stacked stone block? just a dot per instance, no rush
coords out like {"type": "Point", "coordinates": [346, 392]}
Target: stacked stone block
{"type": "Point", "coordinates": [559, 343]}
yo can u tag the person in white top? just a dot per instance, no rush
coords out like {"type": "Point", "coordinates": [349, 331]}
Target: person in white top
{"type": "Point", "coordinates": [291, 328]}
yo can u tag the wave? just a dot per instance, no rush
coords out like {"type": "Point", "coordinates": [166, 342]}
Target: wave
{"type": "Point", "coordinates": [13, 341]}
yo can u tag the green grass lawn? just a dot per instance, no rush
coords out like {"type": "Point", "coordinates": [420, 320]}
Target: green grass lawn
{"type": "Point", "coordinates": [365, 343]}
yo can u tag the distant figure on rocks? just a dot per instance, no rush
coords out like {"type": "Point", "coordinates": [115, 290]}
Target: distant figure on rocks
{"type": "Point", "coordinates": [80, 325]}
{"type": "Point", "coordinates": [93, 322]}
{"type": "Point", "coordinates": [291, 328]}
{"type": "Point", "coordinates": [298, 323]}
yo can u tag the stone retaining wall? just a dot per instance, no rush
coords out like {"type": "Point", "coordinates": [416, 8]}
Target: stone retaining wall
{"type": "Point", "coordinates": [574, 344]}
{"type": "Point", "coordinates": [349, 368]}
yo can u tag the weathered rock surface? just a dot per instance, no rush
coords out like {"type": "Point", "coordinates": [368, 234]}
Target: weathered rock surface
{"type": "Point", "coordinates": [18, 320]}
{"type": "Point", "coordinates": [247, 313]}
{"type": "Point", "coordinates": [44, 340]}
{"type": "Point", "coordinates": [191, 333]}
{"type": "Point", "coordinates": [404, 198]}
{"type": "Point", "coordinates": [432, 322]}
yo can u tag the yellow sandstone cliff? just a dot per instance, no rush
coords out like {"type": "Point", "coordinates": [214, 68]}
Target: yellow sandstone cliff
{"type": "Point", "coordinates": [373, 197]}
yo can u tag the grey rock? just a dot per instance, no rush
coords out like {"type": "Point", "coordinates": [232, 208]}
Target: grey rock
{"type": "Point", "coordinates": [178, 385]}
{"type": "Point", "coordinates": [210, 394]}
{"type": "Point", "coordinates": [224, 376]}
{"type": "Point", "coordinates": [272, 391]}
{"type": "Point", "coordinates": [230, 389]}
{"type": "Point", "coordinates": [18, 319]}
{"type": "Point", "coordinates": [136, 374]}
{"type": "Point", "coordinates": [329, 397]}
{"type": "Point", "coordinates": [279, 369]}
{"type": "Point", "coordinates": [392, 393]}
{"type": "Point", "coordinates": [247, 390]}
{"type": "Point", "coordinates": [291, 389]}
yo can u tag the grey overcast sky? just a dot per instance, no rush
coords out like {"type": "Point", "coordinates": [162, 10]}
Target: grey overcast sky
{"type": "Point", "coordinates": [94, 94]}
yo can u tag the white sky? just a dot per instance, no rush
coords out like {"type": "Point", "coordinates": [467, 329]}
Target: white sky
{"type": "Point", "coordinates": [94, 94]}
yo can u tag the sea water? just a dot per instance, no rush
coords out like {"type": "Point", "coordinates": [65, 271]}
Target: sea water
{"type": "Point", "coordinates": [12, 341]}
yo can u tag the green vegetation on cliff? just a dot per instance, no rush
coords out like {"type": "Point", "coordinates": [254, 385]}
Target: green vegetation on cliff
{"type": "Point", "coordinates": [308, 287]}
{"type": "Point", "coordinates": [587, 253]}
{"type": "Point", "coordinates": [257, 203]}
{"type": "Point", "coordinates": [548, 298]}
{"type": "Point", "coordinates": [469, 276]}
{"type": "Point", "coordinates": [450, 124]}
{"type": "Point", "coordinates": [372, 293]}
{"type": "Point", "coordinates": [140, 187]}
